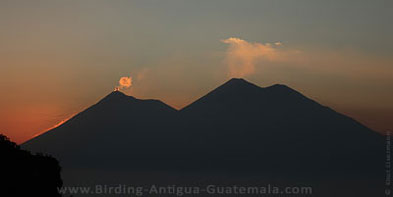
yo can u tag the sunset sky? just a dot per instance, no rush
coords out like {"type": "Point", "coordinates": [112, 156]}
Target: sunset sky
{"type": "Point", "coordinates": [59, 57]}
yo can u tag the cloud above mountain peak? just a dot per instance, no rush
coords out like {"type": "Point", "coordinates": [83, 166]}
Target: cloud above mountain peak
{"type": "Point", "coordinates": [242, 56]}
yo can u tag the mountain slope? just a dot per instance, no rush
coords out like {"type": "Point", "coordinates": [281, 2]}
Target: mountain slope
{"type": "Point", "coordinates": [269, 126]}
{"type": "Point", "coordinates": [237, 125]}
{"type": "Point", "coordinates": [117, 128]}
{"type": "Point", "coordinates": [256, 135]}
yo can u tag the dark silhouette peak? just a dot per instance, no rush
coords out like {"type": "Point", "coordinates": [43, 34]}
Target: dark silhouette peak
{"type": "Point", "coordinates": [117, 92]}
{"type": "Point", "coordinates": [240, 83]}
{"type": "Point", "coordinates": [280, 87]}
{"type": "Point", "coordinates": [242, 87]}
{"type": "Point", "coordinates": [283, 91]}
{"type": "Point", "coordinates": [121, 100]}
{"type": "Point", "coordinates": [237, 82]}
{"type": "Point", "coordinates": [236, 85]}
{"type": "Point", "coordinates": [239, 92]}
{"type": "Point", "coordinates": [234, 90]}
{"type": "Point", "coordinates": [117, 96]}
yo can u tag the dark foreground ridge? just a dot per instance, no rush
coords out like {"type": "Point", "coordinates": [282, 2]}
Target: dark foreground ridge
{"type": "Point", "coordinates": [25, 174]}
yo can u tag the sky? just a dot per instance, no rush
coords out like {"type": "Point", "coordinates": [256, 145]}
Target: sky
{"type": "Point", "coordinates": [59, 57]}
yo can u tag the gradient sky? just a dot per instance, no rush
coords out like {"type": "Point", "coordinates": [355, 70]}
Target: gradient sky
{"type": "Point", "coordinates": [59, 57]}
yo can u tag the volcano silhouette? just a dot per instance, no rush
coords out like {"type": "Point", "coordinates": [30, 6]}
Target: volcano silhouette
{"type": "Point", "coordinates": [274, 126]}
{"type": "Point", "coordinates": [236, 127]}
{"type": "Point", "coordinates": [115, 129]}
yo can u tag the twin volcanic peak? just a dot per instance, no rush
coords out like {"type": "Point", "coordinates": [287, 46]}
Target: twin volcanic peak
{"type": "Point", "coordinates": [274, 128]}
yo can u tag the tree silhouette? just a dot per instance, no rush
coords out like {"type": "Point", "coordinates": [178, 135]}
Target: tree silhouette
{"type": "Point", "coordinates": [25, 174]}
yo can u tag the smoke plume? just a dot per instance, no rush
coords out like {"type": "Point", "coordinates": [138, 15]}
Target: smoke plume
{"type": "Point", "coordinates": [241, 56]}
{"type": "Point", "coordinates": [124, 82]}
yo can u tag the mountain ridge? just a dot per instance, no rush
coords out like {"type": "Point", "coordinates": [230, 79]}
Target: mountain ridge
{"type": "Point", "coordinates": [236, 121]}
{"type": "Point", "coordinates": [122, 97]}
{"type": "Point", "coordinates": [118, 96]}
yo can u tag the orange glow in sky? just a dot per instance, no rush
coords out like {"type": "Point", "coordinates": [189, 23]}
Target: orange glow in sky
{"type": "Point", "coordinates": [60, 57]}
